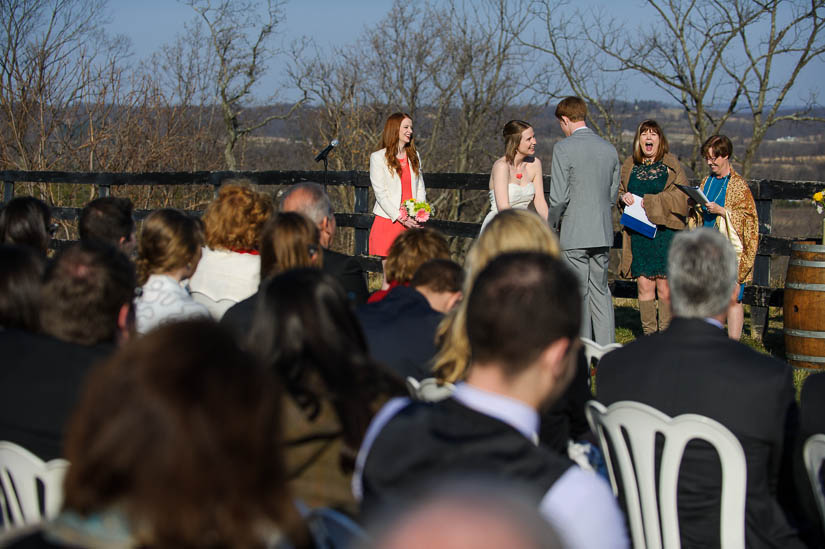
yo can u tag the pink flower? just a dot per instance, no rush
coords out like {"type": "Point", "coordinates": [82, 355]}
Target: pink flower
{"type": "Point", "coordinates": [402, 214]}
{"type": "Point", "coordinates": [422, 215]}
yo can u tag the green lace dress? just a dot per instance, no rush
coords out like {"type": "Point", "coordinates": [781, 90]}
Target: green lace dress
{"type": "Point", "coordinates": [649, 254]}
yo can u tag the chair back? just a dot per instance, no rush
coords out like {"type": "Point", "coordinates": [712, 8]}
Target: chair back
{"type": "Point", "coordinates": [814, 454]}
{"type": "Point", "coordinates": [22, 474]}
{"type": "Point", "coordinates": [429, 389]}
{"type": "Point", "coordinates": [593, 353]}
{"type": "Point", "coordinates": [333, 530]}
{"type": "Point", "coordinates": [631, 429]}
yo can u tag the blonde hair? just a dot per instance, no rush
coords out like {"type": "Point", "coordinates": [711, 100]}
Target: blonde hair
{"type": "Point", "coordinates": [234, 219]}
{"type": "Point", "coordinates": [512, 230]}
{"type": "Point", "coordinates": [169, 240]}
{"type": "Point", "coordinates": [410, 250]}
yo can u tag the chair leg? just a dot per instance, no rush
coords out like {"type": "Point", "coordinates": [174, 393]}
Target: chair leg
{"type": "Point", "coordinates": [665, 315]}
{"type": "Point", "coordinates": [647, 312]}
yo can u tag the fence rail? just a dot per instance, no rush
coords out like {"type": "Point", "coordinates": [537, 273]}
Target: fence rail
{"type": "Point", "coordinates": [760, 295]}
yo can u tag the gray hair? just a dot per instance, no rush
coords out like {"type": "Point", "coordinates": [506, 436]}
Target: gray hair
{"type": "Point", "coordinates": [701, 271]}
{"type": "Point", "coordinates": [317, 207]}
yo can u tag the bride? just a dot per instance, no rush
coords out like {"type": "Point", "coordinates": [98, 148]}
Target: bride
{"type": "Point", "coordinates": [516, 177]}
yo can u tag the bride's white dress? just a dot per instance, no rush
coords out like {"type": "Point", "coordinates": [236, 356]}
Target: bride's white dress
{"type": "Point", "coordinates": [520, 197]}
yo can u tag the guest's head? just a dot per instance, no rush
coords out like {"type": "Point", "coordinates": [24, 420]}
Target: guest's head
{"type": "Point", "coordinates": [180, 432]}
{"type": "Point", "coordinates": [398, 137]}
{"type": "Point", "coordinates": [303, 327]}
{"type": "Point", "coordinates": [440, 281]}
{"type": "Point", "coordinates": [523, 317]}
{"type": "Point", "coordinates": [312, 200]}
{"type": "Point", "coordinates": [170, 243]}
{"type": "Point", "coordinates": [510, 230]}
{"type": "Point", "coordinates": [21, 281]}
{"type": "Point", "coordinates": [650, 142]}
{"type": "Point", "coordinates": [26, 220]}
{"type": "Point", "coordinates": [410, 250]}
{"type": "Point", "coordinates": [515, 133]}
{"type": "Point", "coordinates": [87, 294]}
{"type": "Point", "coordinates": [701, 273]}
{"type": "Point", "coordinates": [289, 240]}
{"type": "Point", "coordinates": [109, 219]}
{"type": "Point", "coordinates": [233, 221]}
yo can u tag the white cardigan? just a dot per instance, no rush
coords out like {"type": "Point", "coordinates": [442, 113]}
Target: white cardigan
{"type": "Point", "coordinates": [386, 185]}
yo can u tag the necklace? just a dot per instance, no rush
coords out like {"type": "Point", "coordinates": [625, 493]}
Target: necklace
{"type": "Point", "coordinates": [722, 186]}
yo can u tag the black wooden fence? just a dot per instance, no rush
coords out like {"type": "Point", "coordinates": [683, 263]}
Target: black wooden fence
{"type": "Point", "coordinates": [760, 295]}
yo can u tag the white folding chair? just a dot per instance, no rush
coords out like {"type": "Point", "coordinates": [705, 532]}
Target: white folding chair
{"type": "Point", "coordinates": [21, 472]}
{"type": "Point", "coordinates": [814, 453]}
{"type": "Point", "coordinates": [593, 353]}
{"type": "Point", "coordinates": [635, 458]}
{"type": "Point", "coordinates": [429, 389]}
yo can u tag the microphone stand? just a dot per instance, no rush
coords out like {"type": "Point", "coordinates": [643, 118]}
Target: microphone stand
{"type": "Point", "coordinates": [325, 171]}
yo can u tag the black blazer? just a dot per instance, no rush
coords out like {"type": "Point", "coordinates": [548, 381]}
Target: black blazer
{"type": "Point", "coordinates": [693, 367]}
{"type": "Point", "coordinates": [348, 272]}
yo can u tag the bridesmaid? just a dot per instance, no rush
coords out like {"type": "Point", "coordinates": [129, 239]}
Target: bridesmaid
{"type": "Point", "coordinates": [395, 175]}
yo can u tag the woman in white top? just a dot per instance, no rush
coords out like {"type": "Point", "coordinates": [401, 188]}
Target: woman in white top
{"type": "Point", "coordinates": [169, 249]}
{"type": "Point", "coordinates": [516, 179]}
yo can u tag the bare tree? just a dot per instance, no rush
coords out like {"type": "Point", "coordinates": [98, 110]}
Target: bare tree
{"type": "Point", "coordinates": [240, 39]}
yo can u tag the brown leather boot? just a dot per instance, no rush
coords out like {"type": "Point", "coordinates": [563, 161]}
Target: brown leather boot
{"type": "Point", "coordinates": [665, 315]}
{"type": "Point", "coordinates": [647, 311]}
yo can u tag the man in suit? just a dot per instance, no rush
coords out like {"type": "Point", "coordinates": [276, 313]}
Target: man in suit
{"type": "Point", "coordinates": [86, 310]}
{"type": "Point", "coordinates": [400, 329]}
{"type": "Point", "coordinates": [311, 200]}
{"type": "Point", "coordinates": [584, 182]}
{"type": "Point", "coordinates": [693, 367]}
{"type": "Point", "coordinates": [522, 323]}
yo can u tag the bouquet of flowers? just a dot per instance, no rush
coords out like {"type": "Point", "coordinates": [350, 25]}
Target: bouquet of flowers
{"type": "Point", "coordinates": [418, 210]}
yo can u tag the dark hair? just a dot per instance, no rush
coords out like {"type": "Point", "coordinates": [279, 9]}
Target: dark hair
{"type": "Point", "coordinates": [664, 148]}
{"type": "Point", "coordinates": [512, 138]}
{"type": "Point", "coordinates": [573, 108]}
{"type": "Point", "coordinates": [720, 144]}
{"type": "Point", "coordinates": [107, 219]}
{"type": "Point", "coordinates": [169, 240]}
{"type": "Point", "coordinates": [181, 430]}
{"type": "Point", "coordinates": [25, 220]}
{"type": "Point", "coordinates": [439, 275]}
{"type": "Point", "coordinates": [21, 281]}
{"type": "Point", "coordinates": [304, 328]}
{"type": "Point", "coordinates": [412, 248]}
{"type": "Point", "coordinates": [520, 304]}
{"type": "Point", "coordinates": [84, 289]}
{"type": "Point", "coordinates": [289, 240]}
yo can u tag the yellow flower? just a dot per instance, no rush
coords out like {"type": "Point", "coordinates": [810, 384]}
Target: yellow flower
{"type": "Point", "coordinates": [818, 196]}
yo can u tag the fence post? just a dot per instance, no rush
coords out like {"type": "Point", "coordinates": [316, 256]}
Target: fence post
{"type": "Point", "coordinates": [104, 184]}
{"type": "Point", "coordinates": [215, 180]}
{"type": "Point", "coordinates": [362, 202]}
{"type": "Point", "coordinates": [8, 191]}
{"type": "Point", "coordinates": [761, 270]}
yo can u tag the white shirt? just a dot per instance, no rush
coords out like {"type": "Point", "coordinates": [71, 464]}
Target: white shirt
{"type": "Point", "coordinates": [164, 300]}
{"type": "Point", "coordinates": [224, 278]}
{"type": "Point", "coordinates": [580, 505]}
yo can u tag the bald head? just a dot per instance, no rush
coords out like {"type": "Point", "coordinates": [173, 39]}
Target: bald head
{"type": "Point", "coordinates": [311, 200]}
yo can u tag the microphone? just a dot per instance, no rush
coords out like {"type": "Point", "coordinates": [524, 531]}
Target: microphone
{"type": "Point", "coordinates": [323, 154]}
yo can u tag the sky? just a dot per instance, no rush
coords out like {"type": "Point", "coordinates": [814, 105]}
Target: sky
{"type": "Point", "coordinates": [151, 23]}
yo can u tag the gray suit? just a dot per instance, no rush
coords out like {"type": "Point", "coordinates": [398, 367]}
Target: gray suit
{"type": "Point", "coordinates": [584, 182]}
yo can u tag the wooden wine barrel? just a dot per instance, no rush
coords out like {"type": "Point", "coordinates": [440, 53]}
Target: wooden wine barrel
{"type": "Point", "coordinates": [804, 307]}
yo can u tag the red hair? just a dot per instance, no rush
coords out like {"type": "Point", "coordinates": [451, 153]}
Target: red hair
{"type": "Point", "coordinates": [389, 141]}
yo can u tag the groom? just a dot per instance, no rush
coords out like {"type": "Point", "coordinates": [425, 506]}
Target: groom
{"type": "Point", "coordinates": [584, 182]}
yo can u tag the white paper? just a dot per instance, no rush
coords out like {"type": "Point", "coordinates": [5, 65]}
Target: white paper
{"type": "Point", "coordinates": [636, 211]}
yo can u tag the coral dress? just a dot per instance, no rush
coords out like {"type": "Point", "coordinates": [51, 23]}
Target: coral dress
{"type": "Point", "coordinates": [384, 231]}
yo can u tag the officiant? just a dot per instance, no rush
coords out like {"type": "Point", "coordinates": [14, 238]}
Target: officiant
{"type": "Point", "coordinates": [651, 174]}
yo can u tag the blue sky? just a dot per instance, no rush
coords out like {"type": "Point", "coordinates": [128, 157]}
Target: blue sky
{"type": "Point", "coordinates": [151, 23]}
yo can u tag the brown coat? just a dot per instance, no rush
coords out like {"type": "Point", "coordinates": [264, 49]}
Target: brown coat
{"type": "Point", "coordinates": [668, 207]}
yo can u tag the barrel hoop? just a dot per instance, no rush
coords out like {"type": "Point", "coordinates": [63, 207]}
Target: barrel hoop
{"type": "Point", "coordinates": [801, 286]}
{"type": "Point", "coordinates": [799, 247]}
{"type": "Point", "coordinates": [806, 358]}
{"type": "Point", "coordinates": [805, 333]}
{"type": "Point", "coordinates": [807, 263]}
{"type": "Point", "coordinates": [812, 370]}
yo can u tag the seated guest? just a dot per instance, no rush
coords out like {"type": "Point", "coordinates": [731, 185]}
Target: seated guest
{"type": "Point", "coordinates": [407, 253]}
{"type": "Point", "coordinates": [229, 268]}
{"type": "Point", "coordinates": [400, 328]}
{"type": "Point", "coordinates": [289, 240]}
{"type": "Point", "coordinates": [523, 317]}
{"type": "Point", "coordinates": [21, 281]}
{"type": "Point", "coordinates": [311, 200]}
{"type": "Point", "coordinates": [694, 368]}
{"type": "Point", "coordinates": [169, 249]}
{"type": "Point", "coordinates": [109, 219]}
{"type": "Point", "coordinates": [86, 308]}
{"type": "Point", "coordinates": [26, 220]}
{"type": "Point", "coordinates": [304, 329]}
{"type": "Point", "coordinates": [175, 442]}
{"type": "Point", "coordinates": [811, 422]}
